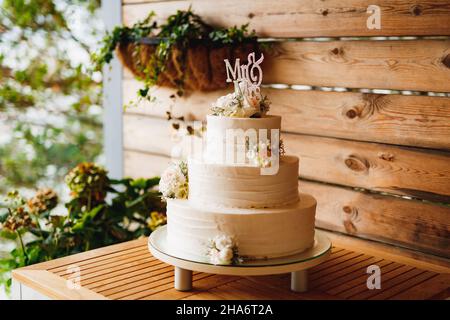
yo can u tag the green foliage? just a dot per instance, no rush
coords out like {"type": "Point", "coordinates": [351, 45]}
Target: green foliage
{"type": "Point", "coordinates": [139, 30]}
{"type": "Point", "coordinates": [231, 35]}
{"type": "Point", "coordinates": [135, 209]}
{"type": "Point", "coordinates": [49, 103]}
{"type": "Point", "coordinates": [180, 31]}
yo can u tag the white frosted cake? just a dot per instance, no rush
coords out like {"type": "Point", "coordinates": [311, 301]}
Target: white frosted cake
{"type": "Point", "coordinates": [227, 209]}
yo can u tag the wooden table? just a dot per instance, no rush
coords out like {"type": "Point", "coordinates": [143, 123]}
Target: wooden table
{"type": "Point", "coordinates": [128, 271]}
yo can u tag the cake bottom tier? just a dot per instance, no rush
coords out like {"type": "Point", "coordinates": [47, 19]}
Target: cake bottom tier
{"type": "Point", "coordinates": [259, 233]}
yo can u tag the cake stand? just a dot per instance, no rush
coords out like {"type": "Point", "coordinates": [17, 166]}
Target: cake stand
{"type": "Point", "coordinates": [297, 265]}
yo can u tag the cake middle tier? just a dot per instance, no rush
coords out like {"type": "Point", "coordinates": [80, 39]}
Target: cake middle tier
{"type": "Point", "coordinates": [243, 186]}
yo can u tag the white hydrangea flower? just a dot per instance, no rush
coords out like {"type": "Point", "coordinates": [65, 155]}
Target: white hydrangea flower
{"type": "Point", "coordinates": [226, 256]}
{"type": "Point", "coordinates": [214, 256]}
{"type": "Point", "coordinates": [174, 182]}
{"type": "Point", "coordinates": [245, 102]}
{"type": "Point", "coordinates": [223, 242]}
{"type": "Point", "coordinates": [222, 250]}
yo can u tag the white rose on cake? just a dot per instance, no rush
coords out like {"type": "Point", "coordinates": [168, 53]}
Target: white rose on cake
{"type": "Point", "coordinates": [174, 182]}
{"type": "Point", "coordinates": [223, 242]}
{"type": "Point", "coordinates": [222, 250]}
{"type": "Point", "coordinates": [214, 256]}
{"type": "Point", "coordinates": [226, 256]}
{"type": "Point", "coordinates": [245, 102]}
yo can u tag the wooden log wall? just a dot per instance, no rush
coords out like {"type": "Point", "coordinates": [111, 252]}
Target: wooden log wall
{"type": "Point", "coordinates": [367, 111]}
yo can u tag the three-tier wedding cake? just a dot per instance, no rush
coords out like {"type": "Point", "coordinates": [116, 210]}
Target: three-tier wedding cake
{"type": "Point", "coordinates": [238, 200]}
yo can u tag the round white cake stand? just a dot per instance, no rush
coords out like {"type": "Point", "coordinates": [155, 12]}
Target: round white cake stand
{"type": "Point", "coordinates": [184, 264]}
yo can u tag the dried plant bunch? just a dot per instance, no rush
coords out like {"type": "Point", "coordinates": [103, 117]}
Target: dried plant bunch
{"type": "Point", "coordinates": [88, 181]}
{"type": "Point", "coordinates": [44, 200]}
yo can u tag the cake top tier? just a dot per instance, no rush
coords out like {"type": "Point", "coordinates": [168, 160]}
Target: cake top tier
{"type": "Point", "coordinates": [246, 101]}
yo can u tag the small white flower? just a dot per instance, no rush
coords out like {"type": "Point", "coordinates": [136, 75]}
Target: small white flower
{"type": "Point", "coordinates": [266, 163]}
{"type": "Point", "coordinates": [223, 242]}
{"type": "Point", "coordinates": [222, 250]}
{"type": "Point", "coordinates": [251, 154]}
{"type": "Point", "coordinates": [226, 256]}
{"type": "Point", "coordinates": [174, 182]}
{"type": "Point", "coordinates": [214, 256]}
{"type": "Point", "coordinates": [245, 102]}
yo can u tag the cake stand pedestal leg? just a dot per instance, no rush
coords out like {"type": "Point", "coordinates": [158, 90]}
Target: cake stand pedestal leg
{"type": "Point", "coordinates": [183, 279]}
{"type": "Point", "coordinates": [299, 281]}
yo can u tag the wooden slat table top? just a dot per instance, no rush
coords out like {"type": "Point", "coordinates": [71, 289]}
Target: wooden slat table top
{"type": "Point", "coordinates": [129, 271]}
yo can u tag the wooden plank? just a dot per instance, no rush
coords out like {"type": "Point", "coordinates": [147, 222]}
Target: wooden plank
{"type": "Point", "coordinates": [339, 268]}
{"type": "Point", "coordinates": [283, 281]}
{"type": "Point", "coordinates": [273, 293]}
{"type": "Point", "coordinates": [418, 259]}
{"type": "Point", "coordinates": [130, 266]}
{"type": "Point", "coordinates": [91, 254]}
{"type": "Point", "coordinates": [403, 65]}
{"type": "Point", "coordinates": [359, 284]}
{"type": "Point", "coordinates": [412, 172]}
{"type": "Point", "coordinates": [404, 286]}
{"type": "Point", "coordinates": [103, 284]}
{"type": "Point", "coordinates": [135, 286]}
{"type": "Point", "coordinates": [150, 165]}
{"type": "Point", "coordinates": [228, 292]}
{"type": "Point", "coordinates": [141, 288]}
{"type": "Point", "coordinates": [88, 269]}
{"type": "Point", "coordinates": [407, 223]}
{"type": "Point", "coordinates": [155, 274]}
{"type": "Point", "coordinates": [386, 118]}
{"type": "Point", "coordinates": [420, 65]}
{"type": "Point", "coordinates": [203, 296]}
{"type": "Point", "coordinates": [349, 255]}
{"type": "Point", "coordinates": [343, 276]}
{"type": "Point", "coordinates": [200, 285]}
{"type": "Point", "coordinates": [305, 18]}
{"type": "Point", "coordinates": [389, 281]}
{"type": "Point", "coordinates": [146, 290]}
{"type": "Point", "coordinates": [421, 121]}
{"type": "Point", "coordinates": [53, 286]}
{"type": "Point", "coordinates": [104, 259]}
{"type": "Point", "coordinates": [121, 272]}
{"type": "Point", "coordinates": [427, 289]}
{"type": "Point", "coordinates": [346, 275]}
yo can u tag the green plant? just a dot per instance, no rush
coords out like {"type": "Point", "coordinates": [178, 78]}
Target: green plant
{"type": "Point", "coordinates": [138, 31]}
{"type": "Point", "coordinates": [39, 232]}
{"type": "Point", "coordinates": [172, 40]}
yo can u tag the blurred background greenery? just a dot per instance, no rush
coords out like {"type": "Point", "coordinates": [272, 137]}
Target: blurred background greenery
{"type": "Point", "coordinates": [50, 101]}
{"type": "Point", "coordinates": [50, 121]}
